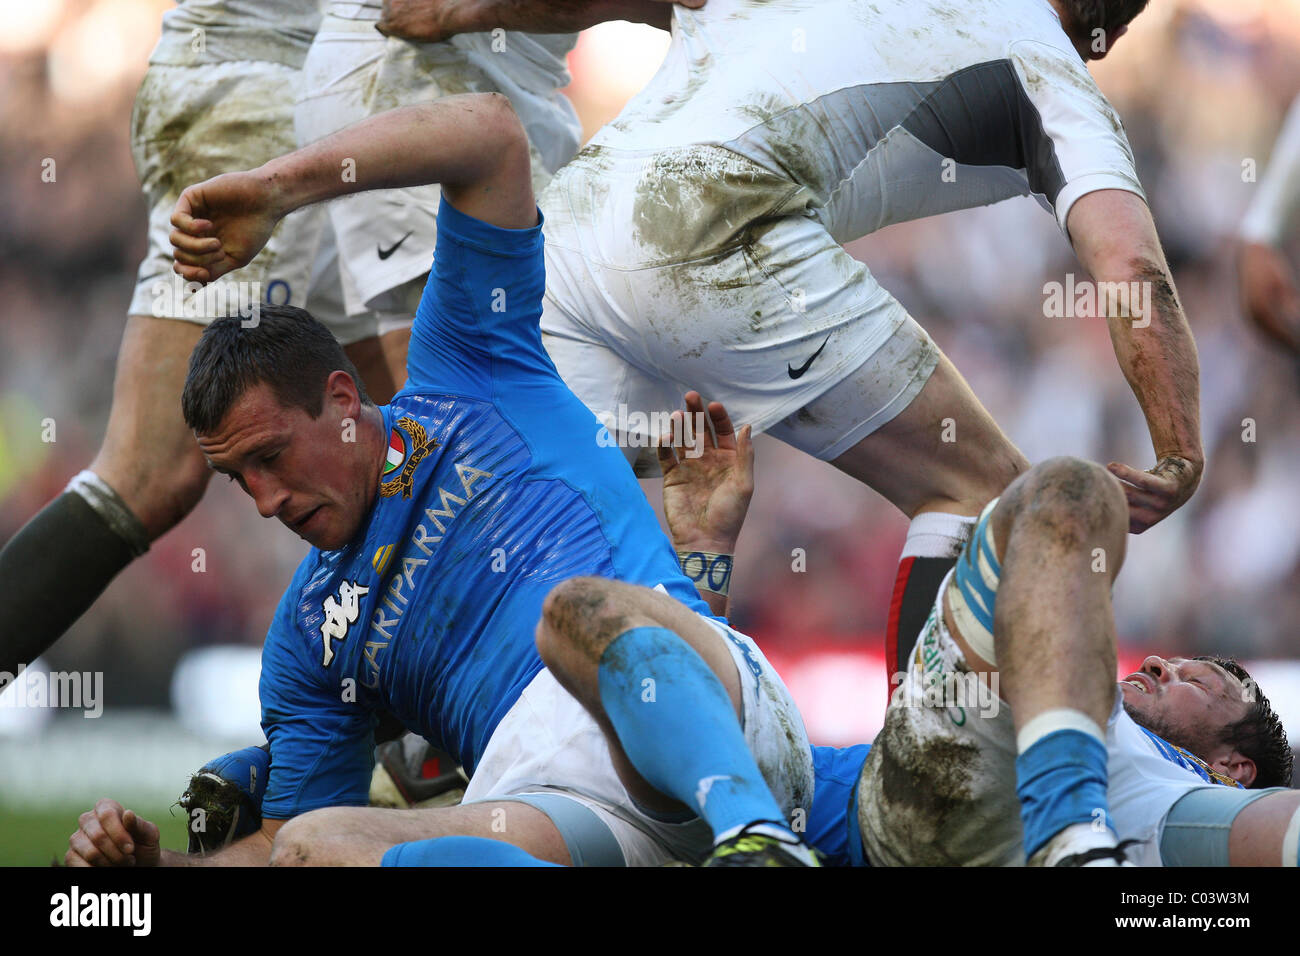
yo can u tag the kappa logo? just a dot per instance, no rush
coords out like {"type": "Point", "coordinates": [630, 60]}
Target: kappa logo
{"type": "Point", "coordinates": [341, 613]}
{"type": "Point", "coordinates": [405, 457]}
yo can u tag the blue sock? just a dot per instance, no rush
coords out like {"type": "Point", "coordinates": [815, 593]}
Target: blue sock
{"type": "Point", "coordinates": [1061, 780]}
{"type": "Point", "coordinates": [678, 727]}
{"type": "Point", "coordinates": [459, 851]}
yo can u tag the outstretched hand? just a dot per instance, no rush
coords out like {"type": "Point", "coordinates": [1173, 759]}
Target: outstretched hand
{"type": "Point", "coordinates": [708, 481]}
{"type": "Point", "coordinates": [220, 225]}
{"type": "Point", "coordinates": [1155, 494]}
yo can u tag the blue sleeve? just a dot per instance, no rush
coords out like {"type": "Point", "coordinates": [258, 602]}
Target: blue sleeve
{"type": "Point", "coordinates": [476, 329]}
{"type": "Point", "coordinates": [322, 746]}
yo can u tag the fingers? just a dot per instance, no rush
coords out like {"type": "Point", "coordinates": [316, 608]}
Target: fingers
{"type": "Point", "coordinates": [192, 273]}
{"type": "Point", "coordinates": [1141, 479]}
{"type": "Point", "coordinates": [723, 430]}
{"type": "Point", "coordinates": [667, 454]}
{"type": "Point", "coordinates": [143, 831]}
{"type": "Point", "coordinates": [183, 215]}
{"type": "Point", "coordinates": [193, 251]}
{"type": "Point", "coordinates": [102, 839]}
{"type": "Point", "coordinates": [194, 246]}
{"type": "Point", "coordinates": [1151, 497]}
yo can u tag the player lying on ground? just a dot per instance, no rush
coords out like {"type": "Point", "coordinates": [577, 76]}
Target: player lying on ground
{"type": "Point", "coordinates": [1192, 765]}
{"type": "Point", "coordinates": [695, 241]}
{"type": "Point", "coordinates": [442, 525]}
{"type": "Point", "coordinates": [1160, 760]}
{"type": "Point", "coordinates": [202, 109]}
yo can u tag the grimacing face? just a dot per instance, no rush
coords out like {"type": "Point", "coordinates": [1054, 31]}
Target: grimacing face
{"type": "Point", "coordinates": [1187, 702]}
{"type": "Point", "coordinates": [297, 468]}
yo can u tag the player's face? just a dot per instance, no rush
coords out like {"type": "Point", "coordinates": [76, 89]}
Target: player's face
{"type": "Point", "coordinates": [1186, 702]}
{"type": "Point", "coordinates": [301, 470]}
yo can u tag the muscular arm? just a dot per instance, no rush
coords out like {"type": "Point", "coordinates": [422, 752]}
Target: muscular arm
{"type": "Point", "coordinates": [473, 145]}
{"type": "Point", "coordinates": [1258, 835]}
{"type": "Point", "coordinates": [435, 20]}
{"type": "Point", "coordinates": [1115, 240]}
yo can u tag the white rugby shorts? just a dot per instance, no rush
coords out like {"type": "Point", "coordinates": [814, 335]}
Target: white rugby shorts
{"type": "Point", "coordinates": [385, 237]}
{"type": "Point", "coordinates": [191, 123]}
{"type": "Point", "coordinates": [698, 268]}
{"type": "Point", "coordinates": [548, 743]}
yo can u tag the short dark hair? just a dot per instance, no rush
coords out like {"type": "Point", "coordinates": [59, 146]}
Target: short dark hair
{"type": "Point", "coordinates": [287, 349]}
{"type": "Point", "coordinates": [1260, 734]}
{"type": "Point", "coordinates": [1089, 15]}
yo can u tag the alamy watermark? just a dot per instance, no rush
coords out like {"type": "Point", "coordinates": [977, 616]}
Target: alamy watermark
{"type": "Point", "coordinates": [1088, 299]}
{"type": "Point", "coordinates": [636, 429]}
{"type": "Point", "coordinates": [75, 690]}
{"type": "Point", "coordinates": [959, 693]}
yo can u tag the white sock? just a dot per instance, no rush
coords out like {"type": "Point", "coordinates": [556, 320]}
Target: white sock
{"type": "Point", "coordinates": [937, 534]}
{"type": "Point", "coordinates": [1050, 721]}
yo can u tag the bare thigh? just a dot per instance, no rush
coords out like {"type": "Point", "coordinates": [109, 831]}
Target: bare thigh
{"type": "Point", "coordinates": [944, 452]}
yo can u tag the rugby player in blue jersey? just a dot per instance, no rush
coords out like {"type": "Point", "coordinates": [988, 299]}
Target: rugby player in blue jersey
{"type": "Point", "coordinates": [445, 526]}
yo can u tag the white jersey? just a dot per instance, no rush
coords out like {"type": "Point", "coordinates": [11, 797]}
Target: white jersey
{"type": "Point", "coordinates": [1147, 777]}
{"type": "Point", "coordinates": [529, 68]}
{"type": "Point", "coordinates": [219, 31]}
{"type": "Point", "coordinates": [886, 110]}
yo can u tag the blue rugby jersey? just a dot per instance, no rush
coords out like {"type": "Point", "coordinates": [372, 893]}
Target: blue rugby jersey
{"type": "Point", "coordinates": [495, 489]}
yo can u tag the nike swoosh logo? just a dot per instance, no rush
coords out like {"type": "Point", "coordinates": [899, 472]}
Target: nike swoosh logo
{"type": "Point", "coordinates": [385, 253]}
{"type": "Point", "coordinates": [798, 372]}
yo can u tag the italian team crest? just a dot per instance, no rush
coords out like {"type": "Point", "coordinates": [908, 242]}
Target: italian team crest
{"type": "Point", "coordinates": [403, 456]}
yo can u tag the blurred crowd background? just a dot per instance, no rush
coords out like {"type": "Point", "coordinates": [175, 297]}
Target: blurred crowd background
{"type": "Point", "coordinates": [1202, 88]}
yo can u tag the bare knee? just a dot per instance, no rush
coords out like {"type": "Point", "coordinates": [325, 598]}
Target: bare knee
{"type": "Point", "coordinates": [579, 616]}
{"type": "Point", "coordinates": [1072, 499]}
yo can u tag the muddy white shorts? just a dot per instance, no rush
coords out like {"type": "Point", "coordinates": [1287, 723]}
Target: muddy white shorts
{"type": "Point", "coordinates": [191, 123]}
{"type": "Point", "coordinates": [548, 743]}
{"type": "Point", "coordinates": [697, 268]}
{"type": "Point", "coordinates": [386, 237]}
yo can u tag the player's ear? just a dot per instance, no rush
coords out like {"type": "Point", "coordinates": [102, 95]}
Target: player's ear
{"type": "Point", "coordinates": [341, 393]}
{"type": "Point", "coordinates": [1237, 766]}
